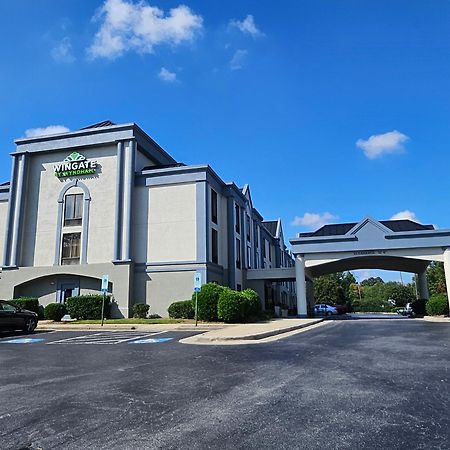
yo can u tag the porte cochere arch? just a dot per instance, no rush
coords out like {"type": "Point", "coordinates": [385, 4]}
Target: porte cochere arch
{"type": "Point", "coordinates": [401, 245]}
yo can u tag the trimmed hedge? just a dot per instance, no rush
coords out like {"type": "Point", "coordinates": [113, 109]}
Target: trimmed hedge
{"type": "Point", "coordinates": [208, 298]}
{"type": "Point", "coordinates": [29, 303]}
{"type": "Point", "coordinates": [232, 306]}
{"type": "Point", "coordinates": [55, 311]}
{"type": "Point", "coordinates": [437, 305]}
{"type": "Point", "coordinates": [88, 307]}
{"type": "Point", "coordinates": [140, 310]}
{"type": "Point", "coordinates": [181, 310]}
{"type": "Point", "coordinates": [253, 303]}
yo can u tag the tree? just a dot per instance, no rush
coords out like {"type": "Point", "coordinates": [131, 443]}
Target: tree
{"type": "Point", "coordinates": [436, 278]}
{"type": "Point", "coordinates": [371, 281]}
{"type": "Point", "coordinates": [333, 288]}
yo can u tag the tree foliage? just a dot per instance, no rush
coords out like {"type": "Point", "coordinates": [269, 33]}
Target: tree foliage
{"type": "Point", "coordinates": [436, 278]}
{"type": "Point", "coordinates": [333, 288]}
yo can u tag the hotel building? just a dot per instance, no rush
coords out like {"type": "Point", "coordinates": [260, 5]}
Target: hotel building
{"type": "Point", "coordinates": [108, 200]}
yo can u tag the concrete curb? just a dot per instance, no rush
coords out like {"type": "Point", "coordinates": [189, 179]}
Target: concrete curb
{"type": "Point", "coordinates": [250, 337]}
{"type": "Point", "coordinates": [127, 327]}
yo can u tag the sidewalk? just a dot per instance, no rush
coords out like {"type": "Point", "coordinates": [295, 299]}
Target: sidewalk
{"type": "Point", "coordinates": [441, 319]}
{"type": "Point", "coordinates": [252, 333]}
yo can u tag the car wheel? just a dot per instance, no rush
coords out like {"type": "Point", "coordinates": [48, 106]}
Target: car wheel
{"type": "Point", "coordinates": [328, 313]}
{"type": "Point", "coordinates": [30, 325]}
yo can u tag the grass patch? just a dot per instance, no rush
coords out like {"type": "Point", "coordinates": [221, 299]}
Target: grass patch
{"type": "Point", "coordinates": [132, 321]}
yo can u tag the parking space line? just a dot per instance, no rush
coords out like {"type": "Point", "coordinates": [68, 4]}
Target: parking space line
{"type": "Point", "coordinates": [106, 338]}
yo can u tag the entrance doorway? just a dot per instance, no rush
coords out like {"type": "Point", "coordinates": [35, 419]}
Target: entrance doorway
{"type": "Point", "coordinates": [68, 289]}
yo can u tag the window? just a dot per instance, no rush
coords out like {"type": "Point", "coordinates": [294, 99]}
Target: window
{"type": "Point", "coordinates": [214, 206]}
{"type": "Point", "coordinates": [73, 209]}
{"type": "Point", "coordinates": [270, 253]}
{"type": "Point", "coordinates": [256, 236]}
{"type": "Point", "coordinates": [264, 248]}
{"type": "Point", "coordinates": [249, 257]}
{"type": "Point", "coordinates": [71, 248]}
{"type": "Point", "coordinates": [237, 218]}
{"type": "Point", "coordinates": [247, 218]}
{"type": "Point", "coordinates": [214, 246]}
{"type": "Point", "coordinates": [238, 287]}
{"type": "Point", "coordinates": [238, 254]}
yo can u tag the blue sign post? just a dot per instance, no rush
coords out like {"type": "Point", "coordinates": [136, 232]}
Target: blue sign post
{"type": "Point", "coordinates": [104, 289]}
{"type": "Point", "coordinates": [197, 287]}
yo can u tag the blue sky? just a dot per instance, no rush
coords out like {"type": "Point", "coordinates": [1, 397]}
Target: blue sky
{"type": "Point", "coordinates": [330, 110]}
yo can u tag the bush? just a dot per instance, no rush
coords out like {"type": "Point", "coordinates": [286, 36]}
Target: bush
{"type": "Point", "coordinates": [140, 310]}
{"type": "Point", "coordinates": [233, 306]}
{"type": "Point", "coordinates": [253, 303]}
{"type": "Point", "coordinates": [437, 305]}
{"type": "Point", "coordinates": [55, 311]}
{"type": "Point", "coordinates": [88, 307]}
{"type": "Point", "coordinates": [29, 303]}
{"type": "Point", "coordinates": [181, 310]}
{"type": "Point", "coordinates": [208, 298]}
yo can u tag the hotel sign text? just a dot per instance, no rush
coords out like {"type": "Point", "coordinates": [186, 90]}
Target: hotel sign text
{"type": "Point", "coordinates": [75, 165]}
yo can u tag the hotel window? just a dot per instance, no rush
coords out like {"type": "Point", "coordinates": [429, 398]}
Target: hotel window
{"type": "Point", "coordinates": [256, 236]}
{"type": "Point", "coordinates": [71, 248]}
{"type": "Point", "coordinates": [73, 209]}
{"type": "Point", "coordinates": [214, 206]}
{"type": "Point", "coordinates": [249, 257]}
{"type": "Point", "coordinates": [238, 254]}
{"type": "Point", "coordinates": [264, 248]}
{"type": "Point", "coordinates": [270, 253]}
{"type": "Point", "coordinates": [214, 246]}
{"type": "Point", "coordinates": [248, 226]}
{"type": "Point", "coordinates": [237, 218]}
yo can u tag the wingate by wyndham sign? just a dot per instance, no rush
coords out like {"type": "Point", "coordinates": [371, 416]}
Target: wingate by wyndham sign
{"type": "Point", "coordinates": [75, 165]}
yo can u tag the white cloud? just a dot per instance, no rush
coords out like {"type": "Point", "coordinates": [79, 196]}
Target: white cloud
{"type": "Point", "coordinates": [380, 144]}
{"type": "Point", "coordinates": [45, 131]}
{"type": "Point", "coordinates": [127, 26]}
{"type": "Point", "coordinates": [314, 220]}
{"type": "Point", "coordinates": [238, 59]}
{"type": "Point", "coordinates": [167, 75]}
{"type": "Point", "coordinates": [63, 51]}
{"type": "Point", "coordinates": [406, 214]}
{"type": "Point", "coordinates": [247, 26]}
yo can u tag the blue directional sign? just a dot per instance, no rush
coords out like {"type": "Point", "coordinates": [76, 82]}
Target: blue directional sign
{"type": "Point", "coordinates": [105, 281]}
{"type": "Point", "coordinates": [197, 281]}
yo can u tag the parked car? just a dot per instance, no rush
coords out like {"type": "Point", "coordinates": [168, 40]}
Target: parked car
{"type": "Point", "coordinates": [324, 309]}
{"type": "Point", "coordinates": [14, 318]}
{"type": "Point", "coordinates": [406, 311]}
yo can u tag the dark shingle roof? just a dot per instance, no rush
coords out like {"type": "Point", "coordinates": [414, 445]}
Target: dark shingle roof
{"type": "Point", "coordinates": [271, 226]}
{"type": "Point", "coordinates": [340, 229]}
{"type": "Point", "coordinates": [105, 123]}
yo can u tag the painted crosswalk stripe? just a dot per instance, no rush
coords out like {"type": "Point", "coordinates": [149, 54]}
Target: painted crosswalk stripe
{"type": "Point", "coordinates": [106, 338]}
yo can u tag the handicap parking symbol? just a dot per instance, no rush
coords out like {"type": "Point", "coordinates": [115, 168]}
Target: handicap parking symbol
{"type": "Point", "coordinates": [150, 341]}
{"type": "Point", "coordinates": [21, 341]}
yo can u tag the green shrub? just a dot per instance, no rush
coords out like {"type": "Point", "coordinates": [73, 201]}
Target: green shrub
{"type": "Point", "coordinates": [233, 306]}
{"type": "Point", "coordinates": [29, 303]}
{"type": "Point", "coordinates": [253, 303]}
{"type": "Point", "coordinates": [55, 311]}
{"type": "Point", "coordinates": [88, 307]}
{"type": "Point", "coordinates": [41, 312]}
{"type": "Point", "coordinates": [181, 310]}
{"type": "Point", "coordinates": [437, 305]}
{"type": "Point", "coordinates": [208, 298]}
{"type": "Point", "coordinates": [140, 310]}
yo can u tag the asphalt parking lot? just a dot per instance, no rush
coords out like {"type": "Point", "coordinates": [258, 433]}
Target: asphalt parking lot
{"type": "Point", "coordinates": [380, 384]}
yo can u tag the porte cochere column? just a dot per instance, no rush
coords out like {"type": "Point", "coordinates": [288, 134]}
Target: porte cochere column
{"type": "Point", "coordinates": [302, 310]}
{"type": "Point", "coordinates": [447, 270]}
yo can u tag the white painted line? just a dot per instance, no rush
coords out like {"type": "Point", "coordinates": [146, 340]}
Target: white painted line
{"type": "Point", "coordinates": [106, 338]}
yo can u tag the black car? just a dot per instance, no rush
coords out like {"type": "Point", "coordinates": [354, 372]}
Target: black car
{"type": "Point", "coordinates": [14, 318]}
